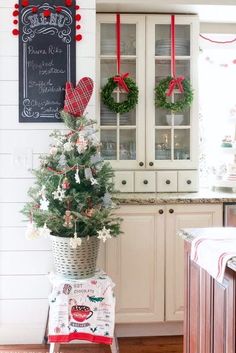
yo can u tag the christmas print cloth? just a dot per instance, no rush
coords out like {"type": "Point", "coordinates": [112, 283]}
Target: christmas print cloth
{"type": "Point", "coordinates": [82, 309]}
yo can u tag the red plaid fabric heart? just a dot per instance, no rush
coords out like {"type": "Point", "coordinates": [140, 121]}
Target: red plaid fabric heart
{"type": "Point", "coordinates": [76, 99]}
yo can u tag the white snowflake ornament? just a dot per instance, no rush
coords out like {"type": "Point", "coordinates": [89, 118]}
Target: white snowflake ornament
{"type": "Point", "coordinates": [59, 194]}
{"type": "Point", "coordinates": [74, 242]}
{"type": "Point", "coordinates": [44, 203]}
{"type": "Point", "coordinates": [93, 181]}
{"type": "Point", "coordinates": [44, 231]}
{"type": "Point", "coordinates": [68, 146]}
{"type": "Point", "coordinates": [32, 231]}
{"type": "Point", "coordinates": [104, 234]}
{"type": "Point", "coordinates": [77, 177]}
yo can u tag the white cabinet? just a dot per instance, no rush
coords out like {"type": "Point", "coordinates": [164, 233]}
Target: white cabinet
{"type": "Point", "coordinates": [147, 137]}
{"type": "Point", "coordinates": [147, 263]}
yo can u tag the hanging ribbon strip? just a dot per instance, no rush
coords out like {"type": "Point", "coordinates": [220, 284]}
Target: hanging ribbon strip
{"type": "Point", "coordinates": [176, 82]}
{"type": "Point", "coordinates": [120, 78]}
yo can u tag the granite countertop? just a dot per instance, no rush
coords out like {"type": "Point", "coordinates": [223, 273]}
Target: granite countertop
{"type": "Point", "coordinates": [203, 196]}
{"type": "Point", "coordinates": [190, 233]}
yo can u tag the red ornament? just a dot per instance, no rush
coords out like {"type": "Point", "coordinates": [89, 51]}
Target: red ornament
{"type": "Point", "coordinates": [34, 9]}
{"type": "Point", "coordinates": [15, 22]}
{"type": "Point", "coordinates": [25, 3]}
{"type": "Point", "coordinates": [15, 13]}
{"type": "Point", "coordinates": [47, 13]}
{"type": "Point", "coordinates": [76, 99]}
{"type": "Point", "coordinates": [16, 6]}
{"type": "Point", "coordinates": [78, 37]}
{"type": "Point", "coordinates": [58, 9]}
{"type": "Point", "coordinates": [68, 2]}
{"type": "Point", "coordinates": [78, 27]}
{"type": "Point", "coordinates": [15, 32]}
{"type": "Point", "coordinates": [78, 17]}
{"type": "Point", "coordinates": [77, 7]}
{"type": "Point", "coordinates": [65, 184]}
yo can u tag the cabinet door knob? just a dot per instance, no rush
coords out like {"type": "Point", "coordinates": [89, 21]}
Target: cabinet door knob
{"type": "Point", "coordinates": [168, 182]}
{"type": "Point", "coordinates": [171, 210]}
{"type": "Point", "coordinates": [124, 182]}
{"type": "Point", "coordinates": [161, 211]}
{"type": "Point", "coordinates": [189, 182]}
{"type": "Point", "coordinates": [151, 164]}
{"type": "Point", "coordinates": [141, 164]}
{"type": "Point", "coordinates": [145, 182]}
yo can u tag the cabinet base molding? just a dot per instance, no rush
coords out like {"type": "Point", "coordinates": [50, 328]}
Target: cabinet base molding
{"type": "Point", "coordinates": [157, 329]}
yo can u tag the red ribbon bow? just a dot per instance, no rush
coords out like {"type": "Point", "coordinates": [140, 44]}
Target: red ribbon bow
{"type": "Point", "coordinates": [175, 82]}
{"type": "Point", "coordinates": [120, 80]}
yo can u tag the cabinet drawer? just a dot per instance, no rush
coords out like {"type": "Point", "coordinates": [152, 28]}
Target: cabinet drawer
{"type": "Point", "coordinates": [145, 181]}
{"type": "Point", "coordinates": [124, 181]}
{"type": "Point", "coordinates": [166, 181]}
{"type": "Point", "coordinates": [188, 180]}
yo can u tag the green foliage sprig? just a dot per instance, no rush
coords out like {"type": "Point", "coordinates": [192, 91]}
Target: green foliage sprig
{"type": "Point", "coordinates": [179, 106]}
{"type": "Point", "coordinates": [124, 106]}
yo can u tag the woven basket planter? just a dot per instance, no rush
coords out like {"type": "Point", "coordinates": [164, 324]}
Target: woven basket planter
{"type": "Point", "coordinates": [75, 263]}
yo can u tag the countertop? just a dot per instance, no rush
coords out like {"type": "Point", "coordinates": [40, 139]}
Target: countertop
{"type": "Point", "coordinates": [203, 196]}
{"type": "Point", "coordinates": [191, 233]}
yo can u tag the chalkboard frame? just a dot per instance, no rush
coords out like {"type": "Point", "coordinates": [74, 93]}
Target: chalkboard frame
{"type": "Point", "coordinates": [44, 31]}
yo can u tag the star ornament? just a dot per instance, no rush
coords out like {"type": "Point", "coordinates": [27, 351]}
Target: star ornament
{"type": "Point", "coordinates": [44, 203]}
{"type": "Point", "coordinates": [59, 194]}
{"type": "Point", "coordinates": [104, 234]}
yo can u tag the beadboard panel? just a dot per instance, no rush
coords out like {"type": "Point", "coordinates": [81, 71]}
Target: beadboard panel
{"type": "Point", "coordinates": [11, 169]}
{"type": "Point", "coordinates": [24, 287]}
{"type": "Point", "coordinates": [10, 215]}
{"type": "Point", "coordinates": [10, 119]}
{"type": "Point", "coordinates": [84, 48]}
{"type": "Point", "coordinates": [18, 190]}
{"type": "Point", "coordinates": [13, 238]}
{"type": "Point", "coordinates": [14, 263]}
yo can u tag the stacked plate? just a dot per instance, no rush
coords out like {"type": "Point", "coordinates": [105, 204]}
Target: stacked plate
{"type": "Point", "coordinates": [163, 47]}
{"type": "Point", "coordinates": [108, 46]}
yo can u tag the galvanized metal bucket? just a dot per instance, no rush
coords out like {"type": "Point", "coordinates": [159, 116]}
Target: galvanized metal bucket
{"type": "Point", "coordinates": [76, 263]}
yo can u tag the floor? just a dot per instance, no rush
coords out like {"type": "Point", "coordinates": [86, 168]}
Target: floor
{"type": "Point", "coordinates": [173, 344]}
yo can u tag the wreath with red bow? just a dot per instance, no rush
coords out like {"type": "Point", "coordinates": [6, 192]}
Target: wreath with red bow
{"type": "Point", "coordinates": [165, 89]}
{"type": "Point", "coordinates": [126, 85]}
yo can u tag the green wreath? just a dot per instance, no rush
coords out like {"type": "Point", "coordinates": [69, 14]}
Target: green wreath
{"type": "Point", "coordinates": [121, 107]}
{"type": "Point", "coordinates": [180, 105]}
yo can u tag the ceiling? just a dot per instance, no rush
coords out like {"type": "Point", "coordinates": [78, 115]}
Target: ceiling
{"type": "Point", "coordinates": [213, 11]}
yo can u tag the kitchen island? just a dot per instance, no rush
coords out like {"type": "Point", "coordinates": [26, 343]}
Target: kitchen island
{"type": "Point", "coordinates": [210, 307]}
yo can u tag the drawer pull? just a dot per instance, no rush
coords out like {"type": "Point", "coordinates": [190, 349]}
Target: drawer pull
{"type": "Point", "coordinates": [141, 164]}
{"type": "Point", "coordinates": [145, 182]}
{"type": "Point", "coordinates": [168, 182]}
{"type": "Point", "coordinates": [161, 211]}
{"type": "Point", "coordinates": [171, 210]}
{"type": "Point", "coordinates": [189, 182]}
{"type": "Point", "coordinates": [124, 182]}
{"type": "Point", "coordinates": [151, 164]}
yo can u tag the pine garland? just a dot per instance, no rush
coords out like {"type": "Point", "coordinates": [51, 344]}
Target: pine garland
{"type": "Point", "coordinates": [180, 105]}
{"type": "Point", "coordinates": [120, 107]}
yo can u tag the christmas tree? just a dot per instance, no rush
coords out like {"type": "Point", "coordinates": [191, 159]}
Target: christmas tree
{"type": "Point", "coordinates": [71, 196]}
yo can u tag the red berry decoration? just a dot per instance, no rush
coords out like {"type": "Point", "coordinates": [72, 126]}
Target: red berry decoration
{"type": "Point", "coordinates": [15, 22]}
{"type": "Point", "coordinates": [34, 9]}
{"type": "Point", "coordinates": [58, 9]}
{"type": "Point", "coordinates": [78, 17]}
{"type": "Point", "coordinates": [77, 7]}
{"type": "Point", "coordinates": [15, 13]}
{"type": "Point", "coordinates": [78, 27]}
{"type": "Point", "coordinates": [78, 37]}
{"type": "Point", "coordinates": [25, 3]}
{"type": "Point", "coordinates": [68, 2]}
{"type": "Point", "coordinates": [16, 6]}
{"type": "Point", "coordinates": [15, 32]}
{"type": "Point", "coordinates": [47, 13]}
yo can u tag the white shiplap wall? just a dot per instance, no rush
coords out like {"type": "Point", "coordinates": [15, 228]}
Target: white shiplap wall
{"type": "Point", "coordinates": [24, 286]}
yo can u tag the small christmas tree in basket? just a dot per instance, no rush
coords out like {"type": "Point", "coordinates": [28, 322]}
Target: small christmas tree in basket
{"type": "Point", "coordinates": [71, 198]}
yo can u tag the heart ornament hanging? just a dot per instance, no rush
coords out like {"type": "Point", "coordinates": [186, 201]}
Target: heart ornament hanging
{"type": "Point", "coordinates": [77, 98]}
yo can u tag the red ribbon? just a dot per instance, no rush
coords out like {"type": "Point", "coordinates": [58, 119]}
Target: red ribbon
{"type": "Point", "coordinates": [176, 81]}
{"type": "Point", "coordinates": [120, 78]}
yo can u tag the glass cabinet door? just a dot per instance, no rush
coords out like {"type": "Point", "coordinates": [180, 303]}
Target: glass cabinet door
{"type": "Point", "coordinates": [170, 136]}
{"type": "Point", "coordinates": [121, 135]}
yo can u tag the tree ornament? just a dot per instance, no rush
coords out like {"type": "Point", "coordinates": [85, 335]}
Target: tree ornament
{"type": "Point", "coordinates": [120, 107]}
{"type": "Point", "coordinates": [77, 99]}
{"type": "Point", "coordinates": [68, 146]}
{"type": "Point", "coordinates": [44, 203]}
{"type": "Point", "coordinates": [104, 234]}
{"type": "Point", "coordinates": [65, 184]}
{"type": "Point", "coordinates": [180, 105]}
{"type": "Point", "coordinates": [74, 242]}
{"type": "Point", "coordinates": [32, 231]}
{"type": "Point", "coordinates": [53, 150]}
{"type": "Point", "coordinates": [107, 200]}
{"type": "Point", "coordinates": [88, 173]}
{"type": "Point", "coordinates": [81, 144]}
{"type": "Point", "coordinates": [89, 212]}
{"type": "Point", "coordinates": [59, 194]}
{"type": "Point", "coordinates": [93, 181]}
{"type": "Point", "coordinates": [44, 231]}
{"type": "Point", "coordinates": [62, 163]}
{"type": "Point", "coordinates": [68, 218]}
{"type": "Point", "coordinates": [77, 177]}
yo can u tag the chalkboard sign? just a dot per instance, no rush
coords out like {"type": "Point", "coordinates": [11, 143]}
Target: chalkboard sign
{"type": "Point", "coordinates": [46, 58]}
